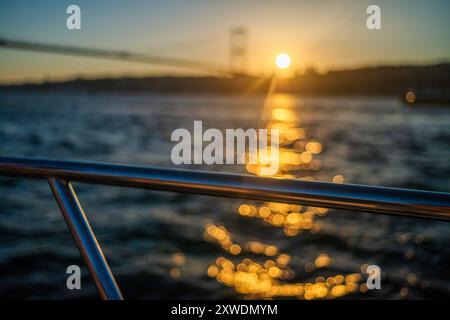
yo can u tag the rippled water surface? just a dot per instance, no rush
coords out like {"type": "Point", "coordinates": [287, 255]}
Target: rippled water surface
{"type": "Point", "coordinates": [165, 245]}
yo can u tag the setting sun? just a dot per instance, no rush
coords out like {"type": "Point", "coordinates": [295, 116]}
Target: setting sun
{"type": "Point", "coordinates": [283, 61]}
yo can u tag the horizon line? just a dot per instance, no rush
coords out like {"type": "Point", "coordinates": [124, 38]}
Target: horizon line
{"type": "Point", "coordinates": [295, 74]}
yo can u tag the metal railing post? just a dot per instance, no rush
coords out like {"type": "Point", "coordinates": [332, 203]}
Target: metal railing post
{"type": "Point", "coordinates": [85, 239]}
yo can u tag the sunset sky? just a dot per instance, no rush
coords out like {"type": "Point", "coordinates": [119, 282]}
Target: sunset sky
{"type": "Point", "coordinates": [323, 34]}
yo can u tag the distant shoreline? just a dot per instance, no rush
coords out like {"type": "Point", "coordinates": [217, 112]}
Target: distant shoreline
{"type": "Point", "coordinates": [381, 81]}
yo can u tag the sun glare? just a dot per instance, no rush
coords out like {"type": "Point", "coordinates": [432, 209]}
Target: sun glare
{"type": "Point", "coordinates": [283, 61]}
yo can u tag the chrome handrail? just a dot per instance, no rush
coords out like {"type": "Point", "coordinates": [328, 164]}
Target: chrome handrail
{"type": "Point", "coordinates": [405, 202]}
{"type": "Point", "coordinates": [417, 203]}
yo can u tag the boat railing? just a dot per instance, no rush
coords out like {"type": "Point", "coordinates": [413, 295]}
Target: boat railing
{"type": "Point", "coordinates": [61, 174]}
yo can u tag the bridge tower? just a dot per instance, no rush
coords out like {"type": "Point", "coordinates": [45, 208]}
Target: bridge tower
{"type": "Point", "coordinates": [238, 50]}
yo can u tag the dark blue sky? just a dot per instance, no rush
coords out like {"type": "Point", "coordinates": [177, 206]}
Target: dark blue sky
{"type": "Point", "coordinates": [325, 34]}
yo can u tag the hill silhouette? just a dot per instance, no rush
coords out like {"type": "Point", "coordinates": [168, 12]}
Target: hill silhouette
{"type": "Point", "coordinates": [381, 80]}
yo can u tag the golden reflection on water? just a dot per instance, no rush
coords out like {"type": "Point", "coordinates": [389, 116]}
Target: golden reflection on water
{"type": "Point", "coordinates": [271, 275]}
